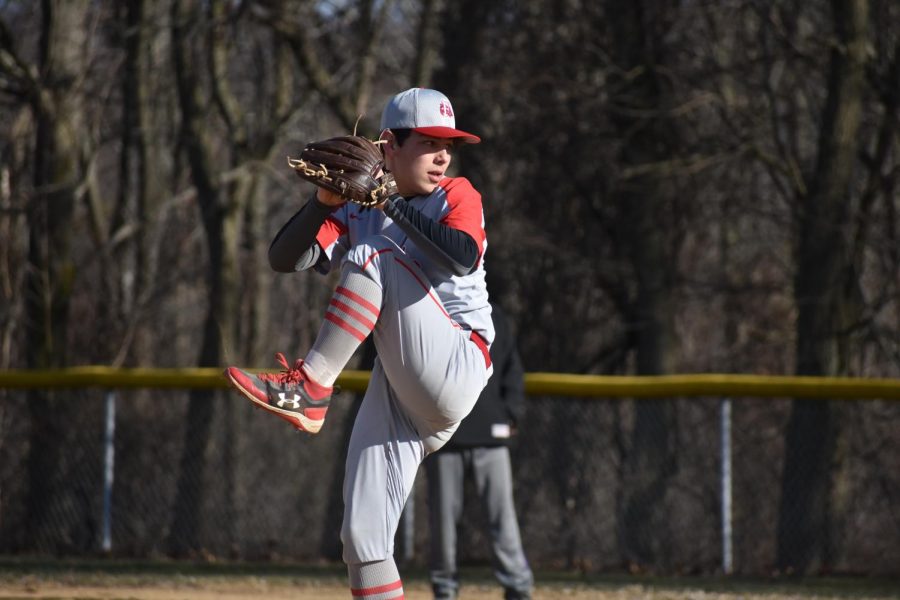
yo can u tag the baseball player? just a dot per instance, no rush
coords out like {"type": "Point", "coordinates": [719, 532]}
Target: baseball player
{"type": "Point", "coordinates": [411, 275]}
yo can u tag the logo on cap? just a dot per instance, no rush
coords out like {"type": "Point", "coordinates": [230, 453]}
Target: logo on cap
{"type": "Point", "coordinates": [446, 109]}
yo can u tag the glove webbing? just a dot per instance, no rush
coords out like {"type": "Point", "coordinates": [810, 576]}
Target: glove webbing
{"type": "Point", "coordinates": [301, 165]}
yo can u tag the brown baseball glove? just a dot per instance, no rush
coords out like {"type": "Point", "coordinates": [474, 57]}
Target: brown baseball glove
{"type": "Point", "coordinates": [349, 165]}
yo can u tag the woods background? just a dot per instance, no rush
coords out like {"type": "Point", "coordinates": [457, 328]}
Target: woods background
{"type": "Point", "coordinates": [670, 186]}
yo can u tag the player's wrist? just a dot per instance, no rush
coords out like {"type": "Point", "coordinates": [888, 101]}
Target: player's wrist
{"type": "Point", "coordinates": [329, 198]}
{"type": "Point", "coordinates": [319, 207]}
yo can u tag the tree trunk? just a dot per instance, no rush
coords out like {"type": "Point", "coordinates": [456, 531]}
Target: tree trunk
{"type": "Point", "coordinates": [647, 137]}
{"type": "Point", "coordinates": [141, 174]}
{"type": "Point", "coordinates": [51, 272]}
{"type": "Point", "coordinates": [824, 292]}
{"type": "Point", "coordinates": [221, 224]}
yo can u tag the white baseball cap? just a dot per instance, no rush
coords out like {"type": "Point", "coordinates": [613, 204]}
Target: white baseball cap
{"type": "Point", "coordinates": [425, 111]}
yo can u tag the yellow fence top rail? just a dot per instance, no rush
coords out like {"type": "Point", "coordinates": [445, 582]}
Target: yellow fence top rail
{"type": "Point", "coordinates": [711, 384]}
{"type": "Point", "coordinates": [539, 384]}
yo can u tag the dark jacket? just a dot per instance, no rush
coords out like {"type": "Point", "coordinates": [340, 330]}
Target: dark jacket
{"type": "Point", "coordinates": [502, 402]}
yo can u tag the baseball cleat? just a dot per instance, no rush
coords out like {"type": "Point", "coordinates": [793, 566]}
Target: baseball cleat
{"type": "Point", "coordinates": [289, 394]}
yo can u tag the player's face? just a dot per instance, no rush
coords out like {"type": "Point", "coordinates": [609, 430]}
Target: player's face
{"type": "Point", "coordinates": [419, 164]}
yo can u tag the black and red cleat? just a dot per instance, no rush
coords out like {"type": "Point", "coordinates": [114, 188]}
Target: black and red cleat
{"type": "Point", "coordinates": [289, 394]}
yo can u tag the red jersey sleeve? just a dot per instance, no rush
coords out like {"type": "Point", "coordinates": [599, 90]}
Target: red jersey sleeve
{"type": "Point", "coordinates": [464, 209]}
{"type": "Point", "coordinates": [330, 231]}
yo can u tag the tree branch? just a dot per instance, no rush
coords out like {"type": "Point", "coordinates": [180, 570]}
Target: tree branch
{"type": "Point", "coordinates": [218, 64]}
{"type": "Point", "coordinates": [23, 77]}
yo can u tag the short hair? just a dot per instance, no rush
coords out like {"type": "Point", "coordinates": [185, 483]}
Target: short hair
{"type": "Point", "coordinates": [401, 135]}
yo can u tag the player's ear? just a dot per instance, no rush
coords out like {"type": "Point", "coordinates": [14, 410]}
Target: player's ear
{"type": "Point", "coordinates": [391, 142]}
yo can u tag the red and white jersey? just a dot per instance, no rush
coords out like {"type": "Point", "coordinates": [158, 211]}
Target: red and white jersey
{"type": "Point", "coordinates": [455, 203]}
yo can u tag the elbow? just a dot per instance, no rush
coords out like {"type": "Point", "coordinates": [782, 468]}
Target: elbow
{"type": "Point", "coordinates": [469, 264]}
{"type": "Point", "coordinates": [284, 263]}
{"type": "Point", "coordinates": [467, 261]}
{"type": "Point", "coordinates": [281, 268]}
{"type": "Point", "coordinates": [279, 264]}
{"type": "Point", "coordinates": [461, 270]}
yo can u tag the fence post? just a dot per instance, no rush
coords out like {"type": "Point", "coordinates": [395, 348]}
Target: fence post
{"type": "Point", "coordinates": [109, 457]}
{"type": "Point", "coordinates": [725, 483]}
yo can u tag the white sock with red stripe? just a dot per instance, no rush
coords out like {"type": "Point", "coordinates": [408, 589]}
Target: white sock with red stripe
{"type": "Point", "coordinates": [375, 580]}
{"type": "Point", "coordinates": [349, 319]}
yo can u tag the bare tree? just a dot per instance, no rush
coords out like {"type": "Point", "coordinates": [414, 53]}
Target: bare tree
{"type": "Point", "coordinates": [649, 136]}
{"type": "Point", "coordinates": [53, 87]}
{"type": "Point", "coordinates": [828, 304]}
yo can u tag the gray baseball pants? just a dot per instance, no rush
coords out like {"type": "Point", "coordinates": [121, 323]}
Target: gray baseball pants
{"type": "Point", "coordinates": [427, 378]}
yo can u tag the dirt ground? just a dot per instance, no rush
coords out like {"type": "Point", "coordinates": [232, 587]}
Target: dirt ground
{"type": "Point", "coordinates": [258, 588]}
{"type": "Point", "coordinates": [246, 589]}
{"type": "Point", "coordinates": [121, 580]}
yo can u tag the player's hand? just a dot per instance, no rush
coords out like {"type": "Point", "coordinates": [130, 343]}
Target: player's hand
{"type": "Point", "coordinates": [329, 198]}
{"type": "Point", "coordinates": [380, 205]}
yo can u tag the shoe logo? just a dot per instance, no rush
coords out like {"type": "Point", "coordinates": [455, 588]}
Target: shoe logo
{"type": "Point", "coordinates": [294, 402]}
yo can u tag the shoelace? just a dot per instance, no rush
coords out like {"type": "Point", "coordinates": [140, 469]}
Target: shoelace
{"type": "Point", "coordinates": [290, 376]}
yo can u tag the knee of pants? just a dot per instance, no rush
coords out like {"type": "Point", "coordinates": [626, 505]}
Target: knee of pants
{"type": "Point", "coordinates": [362, 543]}
{"type": "Point", "coordinates": [362, 252]}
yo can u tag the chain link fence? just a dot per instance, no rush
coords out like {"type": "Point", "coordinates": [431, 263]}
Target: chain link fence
{"type": "Point", "coordinates": [600, 484]}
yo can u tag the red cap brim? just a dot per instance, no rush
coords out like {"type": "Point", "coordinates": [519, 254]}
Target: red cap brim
{"type": "Point", "coordinates": [448, 133]}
